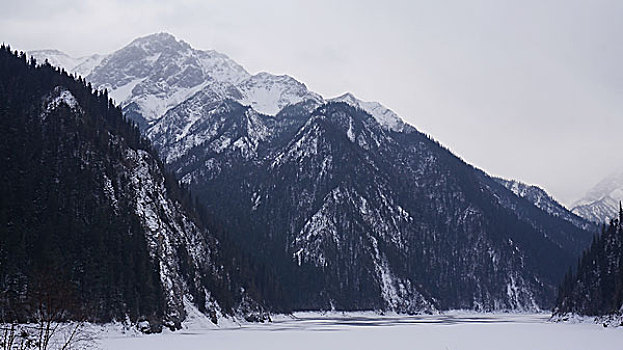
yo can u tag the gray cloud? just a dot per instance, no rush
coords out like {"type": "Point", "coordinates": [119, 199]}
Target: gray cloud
{"type": "Point", "coordinates": [530, 90]}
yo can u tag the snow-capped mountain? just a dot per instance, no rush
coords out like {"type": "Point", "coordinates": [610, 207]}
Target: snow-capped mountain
{"type": "Point", "coordinates": [155, 73]}
{"type": "Point", "coordinates": [268, 94]}
{"type": "Point", "coordinates": [354, 215]}
{"type": "Point", "coordinates": [78, 65]}
{"type": "Point", "coordinates": [545, 202]}
{"type": "Point", "coordinates": [601, 203]}
{"type": "Point", "coordinates": [341, 204]}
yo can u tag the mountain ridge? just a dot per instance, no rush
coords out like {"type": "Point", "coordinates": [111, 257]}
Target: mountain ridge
{"type": "Point", "coordinates": [265, 92]}
{"type": "Point", "coordinates": [298, 164]}
{"type": "Point", "coordinates": [600, 203]}
{"type": "Point", "coordinates": [342, 200]}
{"type": "Point", "coordinates": [541, 199]}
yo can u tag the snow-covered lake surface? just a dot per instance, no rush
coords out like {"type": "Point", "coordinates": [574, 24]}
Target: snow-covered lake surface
{"type": "Point", "coordinates": [369, 331]}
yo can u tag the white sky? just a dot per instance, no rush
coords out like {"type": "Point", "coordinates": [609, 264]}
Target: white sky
{"type": "Point", "coordinates": [531, 90]}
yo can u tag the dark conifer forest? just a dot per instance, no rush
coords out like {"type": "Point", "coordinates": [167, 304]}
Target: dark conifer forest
{"type": "Point", "coordinates": [58, 234]}
{"type": "Point", "coordinates": [596, 288]}
{"type": "Point", "coordinates": [70, 228]}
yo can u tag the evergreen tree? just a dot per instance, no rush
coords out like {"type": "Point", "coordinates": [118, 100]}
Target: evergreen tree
{"type": "Point", "coordinates": [596, 288]}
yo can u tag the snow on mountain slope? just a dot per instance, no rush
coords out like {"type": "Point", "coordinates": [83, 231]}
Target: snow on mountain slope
{"type": "Point", "coordinates": [268, 93]}
{"type": "Point", "coordinates": [342, 200]}
{"type": "Point", "coordinates": [385, 116]}
{"type": "Point", "coordinates": [601, 210]}
{"type": "Point", "coordinates": [203, 120]}
{"type": "Point", "coordinates": [359, 217]}
{"type": "Point", "coordinates": [79, 65]}
{"type": "Point", "coordinates": [101, 215]}
{"type": "Point", "coordinates": [157, 72]}
{"type": "Point", "coordinates": [88, 63]}
{"type": "Point", "coordinates": [168, 228]}
{"type": "Point", "coordinates": [168, 231]}
{"type": "Point", "coordinates": [61, 96]}
{"type": "Point", "coordinates": [601, 203]}
{"type": "Point", "coordinates": [545, 202]}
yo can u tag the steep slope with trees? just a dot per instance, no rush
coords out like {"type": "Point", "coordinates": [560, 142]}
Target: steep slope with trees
{"type": "Point", "coordinates": [87, 209]}
{"type": "Point", "coordinates": [596, 287]}
{"type": "Point", "coordinates": [354, 215]}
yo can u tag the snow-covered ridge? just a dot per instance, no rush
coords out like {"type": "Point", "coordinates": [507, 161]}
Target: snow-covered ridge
{"type": "Point", "coordinates": [601, 203]}
{"type": "Point", "coordinates": [77, 65]}
{"type": "Point", "coordinates": [59, 96]}
{"type": "Point", "coordinates": [542, 200]}
{"type": "Point", "coordinates": [268, 93]}
{"type": "Point", "coordinates": [158, 72]}
{"type": "Point", "coordinates": [155, 73]}
{"type": "Point", "coordinates": [385, 116]}
{"type": "Point", "coordinates": [535, 194]}
{"type": "Point", "coordinates": [599, 211]}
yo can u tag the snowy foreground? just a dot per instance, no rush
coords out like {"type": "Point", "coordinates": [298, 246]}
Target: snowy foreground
{"type": "Point", "coordinates": [369, 331]}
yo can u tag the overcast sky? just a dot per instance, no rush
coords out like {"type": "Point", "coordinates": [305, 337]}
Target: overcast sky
{"type": "Point", "coordinates": [531, 90]}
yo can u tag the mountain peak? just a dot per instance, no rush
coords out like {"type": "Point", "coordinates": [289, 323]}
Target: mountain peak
{"type": "Point", "coordinates": [385, 116]}
{"type": "Point", "coordinates": [159, 41]}
{"type": "Point", "coordinates": [157, 72]}
{"type": "Point", "coordinates": [542, 200]}
{"type": "Point", "coordinates": [347, 96]}
{"type": "Point", "coordinates": [268, 93]}
{"type": "Point", "coordinates": [601, 203]}
{"type": "Point", "coordinates": [161, 36]}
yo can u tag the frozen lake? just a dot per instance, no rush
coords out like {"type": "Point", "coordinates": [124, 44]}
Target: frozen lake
{"type": "Point", "coordinates": [369, 331]}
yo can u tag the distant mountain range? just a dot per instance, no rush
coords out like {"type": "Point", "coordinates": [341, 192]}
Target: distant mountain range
{"type": "Point", "coordinates": [343, 204]}
{"type": "Point", "coordinates": [545, 202]}
{"type": "Point", "coordinates": [78, 65]}
{"type": "Point", "coordinates": [156, 73]}
{"type": "Point", "coordinates": [601, 203]}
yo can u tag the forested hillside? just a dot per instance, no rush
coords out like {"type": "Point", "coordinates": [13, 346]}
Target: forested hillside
{"type": "Point", "coordinates": [90, 220]}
